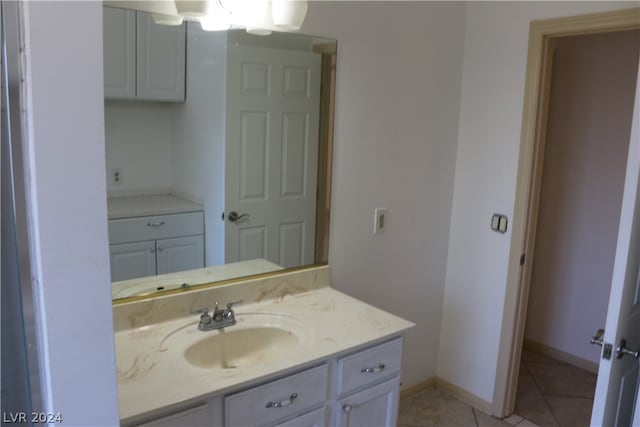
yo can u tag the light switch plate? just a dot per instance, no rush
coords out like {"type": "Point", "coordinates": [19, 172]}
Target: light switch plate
{"type": "Point", "coordinates": [380, 219]}
{"type": "Point", "coordinates": [499, 223]}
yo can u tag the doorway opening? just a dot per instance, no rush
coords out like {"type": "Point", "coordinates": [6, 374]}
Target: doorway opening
{"type": "Point", "coordinates": [586, 146]}
{"type": "Point", "coordinates": [529, 212]}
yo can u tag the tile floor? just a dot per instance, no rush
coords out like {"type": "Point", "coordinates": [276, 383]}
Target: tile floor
{"type": "Point", "coordinates": [550, 394]}
{"type": "Point", "coordinates": [435, 408]}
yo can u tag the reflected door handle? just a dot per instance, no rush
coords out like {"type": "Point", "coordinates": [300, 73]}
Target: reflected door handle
{"type": "Point", "coordinates": [234, 217]}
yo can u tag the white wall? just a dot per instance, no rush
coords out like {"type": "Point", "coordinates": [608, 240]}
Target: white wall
{"type": "Point", "coordinates": [198, 150]}
{"type": "Point", "coordinates": [66, 208]}
{"type": "Point", "coordinates": [397, 100]}
{"type": "Point", "coordinates": [493, 77]}
{"type": "Point", "coordinates": [585, 160]}
{"type": "Point", "coordinates": [138, 141]}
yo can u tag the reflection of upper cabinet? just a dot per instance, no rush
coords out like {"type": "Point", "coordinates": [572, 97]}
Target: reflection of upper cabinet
{"type": "Point", "coordinates": [142, 60]}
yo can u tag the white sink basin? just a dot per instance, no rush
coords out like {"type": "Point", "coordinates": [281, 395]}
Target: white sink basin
{"type": "Point", "coordinates": [255, 339]}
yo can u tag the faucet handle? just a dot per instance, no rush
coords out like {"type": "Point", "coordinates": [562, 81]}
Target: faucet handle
{"type": "Point", "coordinates": [204, 310]}
{"type": "Point", "coordinates": [231, 304]}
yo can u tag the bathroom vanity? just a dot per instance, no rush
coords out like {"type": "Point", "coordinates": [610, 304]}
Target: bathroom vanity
{"type": "Point", "coordinates": [299, 354]}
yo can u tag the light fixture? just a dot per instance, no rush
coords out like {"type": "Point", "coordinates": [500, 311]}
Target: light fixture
{"type": "Point", "coordinates": [216, 20]}
{"type": "Point", "coordinates": [192, 8]}
{"type": "Point", "coordinates": [289, 14]}
{"type": "Point", "coordinates": [259, 17]}
{"type": "Point", "coordinates": [172, 20]}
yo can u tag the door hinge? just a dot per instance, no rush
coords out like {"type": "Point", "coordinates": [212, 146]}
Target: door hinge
{"type": "Point", "coordinates": [522, 257]}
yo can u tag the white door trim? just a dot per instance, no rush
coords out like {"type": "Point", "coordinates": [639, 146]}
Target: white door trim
{"type": "Point", "coordinates": [532, 142]}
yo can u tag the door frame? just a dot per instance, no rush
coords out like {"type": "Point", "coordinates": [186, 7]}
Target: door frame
{"type": "Point", "coordinates": [542, 35]}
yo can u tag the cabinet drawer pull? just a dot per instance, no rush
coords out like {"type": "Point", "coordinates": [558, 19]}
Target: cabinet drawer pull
{"type": "Point", "coordinates": [375, 370]}
{"type": "Point", "coordinates": [282, 403]}
{"type": "Point", "coordinates": [347, 408]}
{"type": "Point", "coordinates": [155, 224]}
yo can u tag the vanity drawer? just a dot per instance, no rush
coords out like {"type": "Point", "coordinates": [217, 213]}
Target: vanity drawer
{"type": "Point", "coordinates": [369, 365]}
{"type": "Point", "coordinates": [278, 399]}
{"type": "Point", "coordinates": [155, 227]}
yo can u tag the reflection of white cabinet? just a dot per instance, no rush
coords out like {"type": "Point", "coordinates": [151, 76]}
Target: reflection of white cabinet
{"type": "Point", "coordinates": [131, 260]}
{"type": "Point", "coordinates": [160, 244]}
{"type": "Point", "coordinates": [119, 31]}
{"type": "Point", "coordinates": [358, 389]}
{"type": "Point", "coordinates": [142, 60]}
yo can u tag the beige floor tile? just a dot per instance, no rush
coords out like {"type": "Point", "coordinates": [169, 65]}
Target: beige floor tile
{"type": "Point", "coordinates": [563, 380]}
{"type": "Point", "coordinates": [526, 384]}
{"type": "Point", "coordinates": [485, 420]}
{"type": "Point", "coordinates": [530, 356]}
{"type": "Point", "coordinates": [571, 411]}
{"type": "Point", "coordinates": [527, 423]}
{"type": "Point", "coordinates": [434, 408]}
{"type": "Point", "coordinates": [513, 419]}
{"type": "Point", "coordinates": [534, 408]}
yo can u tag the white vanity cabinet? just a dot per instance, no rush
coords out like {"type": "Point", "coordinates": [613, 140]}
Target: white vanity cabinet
{"type": "Point", "coordinates": [278, 400]}
{"type": "Point", "coordinates": [368, 386]}
{"type": "Point", "coordinates": [359, 389]}
{"type": "Point", "coordinates": [373, 406]}
{"type": "Point", "coordinates": [142, 60]}
{"type": "Point", "coordinates": [160, 244]}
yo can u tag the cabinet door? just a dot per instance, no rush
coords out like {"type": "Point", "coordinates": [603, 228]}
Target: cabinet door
{"type": "Point", "coordinates": [376, 406]}
{"type": "Point", "coordinates": [161, 60]}
{"type": "Point", "coordinates": [195, 417]}
{"type": "Point", "coordinates": [179, 254]}
{"type": "Point", "coordinates": [119, 31]}
{"type": "Point", "coordinates": [132, 260]}
{"type": "Point", "coordinates": [317, 418]}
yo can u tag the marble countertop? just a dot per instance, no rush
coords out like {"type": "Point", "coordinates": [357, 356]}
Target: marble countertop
{"type": "Point", "coordinates": [152, 375]}
{"type": "Point", "coordinates": [157, 204]}
{"type": "Point", "coordinates": [152, 284]}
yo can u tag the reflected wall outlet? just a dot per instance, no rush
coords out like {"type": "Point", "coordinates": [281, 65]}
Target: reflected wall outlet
{"type": "Point", "coordinates": [380, 218]}
{"type": "Point", "coordinates": [116, 176]}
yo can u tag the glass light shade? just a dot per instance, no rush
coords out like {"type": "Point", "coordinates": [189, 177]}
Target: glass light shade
{"type": "Point", "coordinates": [289, 14]}
{"type": "Point", "coordinates": [258, 31]}
{"type": "Point", "coordinates": [218, 21]}
{"type": "Point", "coordinates": [192, 8]}
{"type": "Point", "coordinates": [167, 19]}
{"type": "Point", "coordinates": [247, 13]}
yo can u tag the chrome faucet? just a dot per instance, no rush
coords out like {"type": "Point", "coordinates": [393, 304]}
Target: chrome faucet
{"type": "Point", "coordinates": [219, 319]}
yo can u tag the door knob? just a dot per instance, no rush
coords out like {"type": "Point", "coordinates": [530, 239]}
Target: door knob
{"type": "Point", "coordinates": [234, 217]}
{"type": "Point", "coordinates": [622, 349]}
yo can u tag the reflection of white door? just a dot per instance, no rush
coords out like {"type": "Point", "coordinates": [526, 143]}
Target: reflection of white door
{"type": "Point", "coordinates": [273, 101]}
{"type": "Point", "coordinates": [617, 386]}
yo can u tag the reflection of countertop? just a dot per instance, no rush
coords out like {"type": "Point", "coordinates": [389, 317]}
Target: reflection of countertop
{"type": "Point", "coordinates": [158, 204]}
{"type": "Point", "coordinates": [152, 376]}
{"type": "Point", "coordinates": [145, 285]}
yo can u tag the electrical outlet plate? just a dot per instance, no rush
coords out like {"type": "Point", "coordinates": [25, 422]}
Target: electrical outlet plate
{"type": "Point", "coordinates": [380, 219]}
{"type": "Point", "coordinates": [116, 176]}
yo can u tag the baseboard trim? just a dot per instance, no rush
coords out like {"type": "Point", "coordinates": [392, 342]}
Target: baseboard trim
{"type": "Point", "coordinates": [465, 396]}
{"type": "Point", "coordinates": [545, 350]}
{"type": "Point", "coordinates": [417, 388]}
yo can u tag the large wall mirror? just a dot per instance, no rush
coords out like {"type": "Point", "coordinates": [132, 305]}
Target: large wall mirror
{"type": "Point", "coordinates": [218, 152]}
